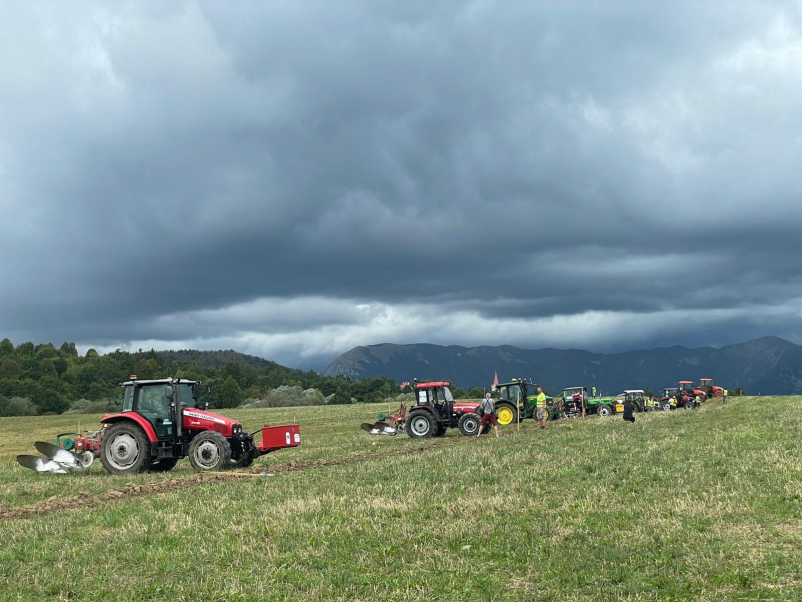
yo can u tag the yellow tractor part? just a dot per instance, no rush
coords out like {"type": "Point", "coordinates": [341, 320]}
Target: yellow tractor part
{"type": "Point", "coordinates": [619, 407]}
{"type": "Point", "coordinates": [505, 415]}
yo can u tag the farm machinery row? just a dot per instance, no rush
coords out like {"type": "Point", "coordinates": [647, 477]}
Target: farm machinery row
{"type": "Point", "coordinates": [160, 422]}
{"type": "Point", "coordinates": [435, 410]}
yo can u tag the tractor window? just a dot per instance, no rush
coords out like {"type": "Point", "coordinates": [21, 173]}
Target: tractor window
{"type": "Point", "coordinates": [447, 396]}
{"type": "Point", "coordinates": [128, 399]}
{"type": "Point", "coordinates": [503, 392]}
{"type": "Point", "coordinates": [422, 397]}
{"type": "Point", "coordinates": [187, 397]}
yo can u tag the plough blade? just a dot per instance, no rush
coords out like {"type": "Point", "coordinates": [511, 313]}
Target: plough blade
{"type": "Point", "coordinates": [379, 428]}
{"type": "Point", "coordinates": [40, 464]}
{"type": "Point", "coordinates": [58, 454]}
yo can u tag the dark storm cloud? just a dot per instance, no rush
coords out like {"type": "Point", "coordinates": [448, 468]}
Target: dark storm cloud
{"type": "Point", "coordinates": [297, 178]}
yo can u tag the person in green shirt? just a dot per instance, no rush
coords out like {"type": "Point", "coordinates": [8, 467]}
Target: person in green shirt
{"type": "Point", "coordinates": [724, 395]}
{"type": "Point", "coordinates": [541, 407]}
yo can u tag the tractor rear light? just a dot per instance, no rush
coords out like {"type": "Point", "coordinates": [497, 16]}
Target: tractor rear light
{"type": "Point", "coordinates": [297, 437]}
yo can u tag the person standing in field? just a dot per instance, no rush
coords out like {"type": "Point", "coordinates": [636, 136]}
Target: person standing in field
{"type": "Point", "coordinates": [629, 410]}
{"type": "Point", "coordinates": [593, 392]}
{"type": "Point", "coordinates": [488, 415]}
{"type": "Point", "coordinates": [541, 407]}
{"type": "Point", "coordinates": [724, 395]}
{"type": "Point", "coordinates": [698, 401]}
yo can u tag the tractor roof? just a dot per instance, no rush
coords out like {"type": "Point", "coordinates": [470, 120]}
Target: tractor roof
{"type": "Point", "coordinates": [567, 388]}
{"type": "Point", "coordinates": [440, 383]}
{"type": "Point", "coordinates": [633, 391]}
{"type": "Point", "coordinates": [686, 382]}
{"type": "Point", "coordinates": [703, 379]}
{"type": "Point", "coordinates": [159, 381]}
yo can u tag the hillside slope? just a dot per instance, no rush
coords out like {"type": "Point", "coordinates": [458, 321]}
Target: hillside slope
{"type": "Point", "coordinates": [769, 365]}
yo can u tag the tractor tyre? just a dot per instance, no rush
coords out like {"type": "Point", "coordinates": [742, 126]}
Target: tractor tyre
{"type": "Point", "coordinates": [421, 425]}
{"type": "Point", "coordinates": [163, 465]}
{"type": "Point", "coordinates": [124, 449]}
{"type": "Point", "coordinates": [440, 430]}
{"type": "Point", "coordinates": [666, 406]}
{"type": "Point", "coordinates": [506, 413]}
{"type": "Point", "coordinates": [689, 405]}
{"type": "Point", "coordinates": [604, 411]}
{"type": "Point", "coordinates": [469, 425]}
{"type": "Point", "coordinates": [210, 451]}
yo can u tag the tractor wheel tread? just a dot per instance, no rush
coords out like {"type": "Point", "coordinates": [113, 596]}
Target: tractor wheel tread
{"type": "Point", "coordinates": [204, 440]}
{"type": "Point", "coordinates": [135, 435]}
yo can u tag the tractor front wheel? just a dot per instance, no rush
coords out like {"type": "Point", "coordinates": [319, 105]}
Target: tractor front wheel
{"type": "Point", "coordinates": [506, 414]}
{"type": "Point", "coordinates": [469, 425]}
{"type": "Point", "coordinates": [421, 426]}
{"type": "Point", "coordinates": [209, 451]}
{"type": "Point", "coordinates": [124, 449]}
{"type": "Point", "coordinates": [667, 406]}
{"type": "Point", "coordinates": [689, 405]}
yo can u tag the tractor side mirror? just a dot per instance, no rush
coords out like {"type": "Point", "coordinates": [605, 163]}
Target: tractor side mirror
{"type": "Point", "coordinates": [168, 392]}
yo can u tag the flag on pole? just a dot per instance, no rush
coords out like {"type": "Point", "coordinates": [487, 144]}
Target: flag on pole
{"type": "Point", "coordinates": [495, 382]}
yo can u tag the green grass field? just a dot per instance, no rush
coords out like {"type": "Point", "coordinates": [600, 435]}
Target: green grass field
{"type": "Point", "coordinates": [700, 505]}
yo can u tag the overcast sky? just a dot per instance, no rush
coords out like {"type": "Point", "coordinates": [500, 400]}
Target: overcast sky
{"type": "Point", "coordinates": [293, 179]}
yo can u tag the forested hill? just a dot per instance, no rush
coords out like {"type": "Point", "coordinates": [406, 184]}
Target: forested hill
{"type": "Point", "coordinates": [38, 379]}
{"type": "Point", "coordinates": [769, 365]}
{"type": "Point", "coordinates": [218, 359]}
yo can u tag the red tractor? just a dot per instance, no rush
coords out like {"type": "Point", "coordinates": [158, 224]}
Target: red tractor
{"type": "Point", "coordinates": [691, 391]}
{"type": "Point", "coordinates": [434, 411]}
{"type": "Point", "coordinates": [673, 398]}
{"type": "Point", "coordinates": [710, 388]}
{"type": "Point", "coordinates": [162, 421]}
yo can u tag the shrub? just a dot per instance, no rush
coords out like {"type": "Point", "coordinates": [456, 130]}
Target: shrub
{"type": "Point", "coordinates": [86, 406]}
{"type": "Point", "coordinates": [17, 406]}
{"type": "Point", "coordinates": [286, 396]}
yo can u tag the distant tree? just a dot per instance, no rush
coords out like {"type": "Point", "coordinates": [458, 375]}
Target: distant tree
{"type": "Point", "coordinates": [6, 348]}
{"type": "Point", "coordinates": [69, 349]}
{"type": "Point", "coordinates": [648, 393]}
{"type": "Point", "coordinates": [91, 354]}
{"type": "Point", "coordinates": [340, 398]}
{"type": "Point", "coordinates": [232, 369]}
{"type": "Point", "coordinates": [25, 348]}
{"type": "Point", "coordinates": [47, 367]}
{"type": "Point", "coordinates": [17, 406]}
{"type": "Point", "coordinates": [228, 395]}
{"type": "Point", "coordinates": [738, 392]}
{"type": "Point", "coordinates": [146, 369]}
{"type": "Point", "coordinates": [49, 401]}
{"type": "Point", "coordinates": [9, 368]}
{"type": "Point", "coordinates": [475, 393]}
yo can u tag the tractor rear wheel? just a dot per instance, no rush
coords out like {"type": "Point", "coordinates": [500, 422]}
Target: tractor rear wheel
{"type": "Point", "coordinates": [604, 411]}
{"type": "Point", "coordinates": [209, 451]}
{"type": "Point", "coordinates": [506, 414]}
{"type": "Point", "coordinates": [689, 405]}
{"type": "Point", "coordinates": [124, 449]}
{"type": "Point", "coordinates": [163, 465]}
{"type": "Point", "coordinates": [421, 425]}
{"type": "Point", "coordinates": [666, 406]}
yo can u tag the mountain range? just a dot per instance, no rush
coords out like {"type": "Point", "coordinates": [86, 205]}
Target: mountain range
{"type": "Point", "coordinates": [767, 366]}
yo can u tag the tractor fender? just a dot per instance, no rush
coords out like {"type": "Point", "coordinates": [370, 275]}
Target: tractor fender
{"type": "Point", "coordinates": [110, 419]}
{"type": "Point", "coordinates": [431, 411]}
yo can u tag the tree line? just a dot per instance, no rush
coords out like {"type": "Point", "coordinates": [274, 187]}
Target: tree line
{"type": "Point", "coordinates": [44, 379]}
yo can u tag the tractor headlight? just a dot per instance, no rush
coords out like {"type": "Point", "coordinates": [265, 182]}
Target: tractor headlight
{"type": "Point", "coordinates": [237, 429]}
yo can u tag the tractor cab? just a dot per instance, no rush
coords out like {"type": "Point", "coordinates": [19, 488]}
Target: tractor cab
{"type": "Point", "coordinates": [635, 396]}
{"type": "Point", "coordinates": [572, 401]}
{"type": "Point", "coordinates": [707, 385]}
{"type": "Point", "coordinates": [687, 387]}
{"type": "Point", "coordinates": [515, 397]}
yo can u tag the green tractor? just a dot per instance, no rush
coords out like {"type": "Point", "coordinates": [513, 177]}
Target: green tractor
{"type": "Point", "coordinates": [518, 396]}
{"type": "Point", "coordinates": [601, 406]}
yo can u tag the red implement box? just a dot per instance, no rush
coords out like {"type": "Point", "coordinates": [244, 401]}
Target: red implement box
{"type": "Point", "coordinates": [279, 437]}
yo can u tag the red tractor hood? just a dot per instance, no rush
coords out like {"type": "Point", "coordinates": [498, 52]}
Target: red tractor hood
{"type": "Point", "coordinates": [465, 407]}
{"type": "Point", "coordinates": [195, 419]}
